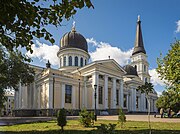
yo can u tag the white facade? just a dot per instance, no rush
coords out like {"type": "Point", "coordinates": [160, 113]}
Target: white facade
{"type": "Point", "coordinates": [72, 85]}
{"type": "Point", "coordinates": [8, 104]}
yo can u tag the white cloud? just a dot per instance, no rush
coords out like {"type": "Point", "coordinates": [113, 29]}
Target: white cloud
{"type": "Point", "coordinates": [155, 79]}
{"type": "Point", "coordinates": [45, 52]}
{"type": "Point", "coordinates": [103, 50]}
{"type": "Point", "coordinates": [178, 26]}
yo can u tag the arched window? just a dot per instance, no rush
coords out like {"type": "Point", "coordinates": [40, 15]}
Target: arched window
{"type": "Point", "coordinates": [144, 68]}
{"type": "Point", "coordinates": [135, 67]}
{"type": "Point", "coordinates": [85, 62]}
{"type": "Point", "coordinates": [81, 61]}
{"type": "Point", "coordinates": [145, 80]}
{"type": "Point", "coordinates": [70, 60]}
{"type": "Point", "coordinates": [76, 61]}
{"type": "Point", "coordinates": [64, 61]}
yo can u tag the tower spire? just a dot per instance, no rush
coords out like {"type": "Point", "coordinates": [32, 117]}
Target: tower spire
{"type": "Point", "coordinates": [138, 45]}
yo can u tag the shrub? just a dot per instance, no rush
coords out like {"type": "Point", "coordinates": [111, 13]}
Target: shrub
{"type": "Point", "coordinates": [86, 118]}
{"type": "Point", "coordinates": [106, 129]}
{"type": "Point", "coordinates": [61, 118]}
{"type": "Point", "coordinates": [121, 117]}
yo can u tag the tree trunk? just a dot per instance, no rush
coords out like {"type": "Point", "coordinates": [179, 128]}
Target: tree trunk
{"type": "Point", "coordinates": [149, 107]}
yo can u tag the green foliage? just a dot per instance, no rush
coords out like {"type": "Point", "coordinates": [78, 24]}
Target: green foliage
{"type": "Point", "coordinates": [169, 67]}
{"type": "Point", "coordinates": [61, 118]}
{"type": "Point", "coordinates": [169, 99]}
{"type": "Point", "coordinates": [121, 117]}
{"type": "Point", "coordinates": [106, 129]}
{"type": "Point", "coordinates": [146, 88]}
{"type": "Point", "coordinates": [22, 21]}
{"type": "Point", "coordinates": [13, 70]}
{"type": "Point", "coordinates": [86, 118]}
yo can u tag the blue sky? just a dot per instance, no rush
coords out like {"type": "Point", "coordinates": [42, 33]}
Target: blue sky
{"type": "Point", "coordinates": [112, 23]}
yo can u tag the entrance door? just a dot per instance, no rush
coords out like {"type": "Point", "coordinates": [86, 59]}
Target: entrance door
{"type": "Point", "coordinates": [109, 98]}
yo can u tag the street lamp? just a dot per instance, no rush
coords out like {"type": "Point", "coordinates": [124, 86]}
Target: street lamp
{"type": "Point", "coordinates": [53, 94]}
{"type": "Point", "coordinates": [95, 96]}
{"type": "Point", "coordinates": [79, 96]}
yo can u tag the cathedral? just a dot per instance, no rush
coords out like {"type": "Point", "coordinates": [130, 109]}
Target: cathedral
{"type": "Point", "coordinates": [79, 84]}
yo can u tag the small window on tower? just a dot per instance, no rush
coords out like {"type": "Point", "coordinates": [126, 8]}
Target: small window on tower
{"type": "Point", "coordinates": [144, 68]}
{"type": "Point", "coordinates": [145, 80]}
{"type": "Point", "coordinates": [135, 67]}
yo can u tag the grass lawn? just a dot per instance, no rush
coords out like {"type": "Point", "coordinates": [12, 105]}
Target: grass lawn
{"type": "Point", "coordinates": [73, 126]}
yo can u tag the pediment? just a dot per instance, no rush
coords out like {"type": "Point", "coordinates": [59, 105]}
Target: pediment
{"type": "Point", "coordinates": [109, 66]}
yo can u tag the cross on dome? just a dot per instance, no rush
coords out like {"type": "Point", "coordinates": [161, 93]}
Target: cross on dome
{"type": "Point", "coordinates": [74, 25]}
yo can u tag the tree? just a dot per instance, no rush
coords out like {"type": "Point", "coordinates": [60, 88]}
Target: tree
{"type": "Point", "coordinates": [86, 118]}
{"type": "Point", "coordinates": [169, 99]}
{"type": "Point", "coordinates": [13, 70]}
{"type": "Point", "coordinates": [121, 117]}
{"type": "Point", "coordinates": [147, 88]}
{"type": "Point", "coordinates": [169, 67]}
{"type": "Point", "coordinates": [22, 21]}
{"type": "Point", "coordinates": [61, 118]}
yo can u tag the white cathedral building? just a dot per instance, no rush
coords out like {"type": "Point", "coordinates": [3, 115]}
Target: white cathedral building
{"type": "Point", "coordinates": [73, 85]}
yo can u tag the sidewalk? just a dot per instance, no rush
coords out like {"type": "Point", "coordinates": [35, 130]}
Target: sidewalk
{"type": "Point", "coordinates": [141, 118]}
{"type": "Point", "coordinates": [129, 117]}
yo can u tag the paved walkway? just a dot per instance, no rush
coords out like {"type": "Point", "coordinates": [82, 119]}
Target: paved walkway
{"type": "Point", "coordinates": [129, 117]}
{"type": "Point", "coordinates": [141, 118]}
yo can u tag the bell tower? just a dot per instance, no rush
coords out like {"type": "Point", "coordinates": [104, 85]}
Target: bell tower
{"type": "Point", "coordinates": [139, 57]}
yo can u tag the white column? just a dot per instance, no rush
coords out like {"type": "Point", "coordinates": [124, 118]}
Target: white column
{"type": "Point", "coordinates": [73, 64]}
{"type": "Point", "coordinates": [16, 96]}
{"type": "Point", "coordinates": [127, 99]}
{"type": "Point", "coordinates": [67, 60]}
{"type": "Point", "coordinates": [121, 93]}
{"type": "Point", "coordinates": [130, 101]}
{"type": "Point", "coordinates": [50, 94]}
{"type": "Point", "coordinates": [39, 96]}
{"type": "Point", "coordinates": [85, 92]}
{"type": "Point", "coordinates": [95, 81]}
{"type": "Point", "coordinates": [143, 102]}
{"type": "Point", "coordinates": [34, 96]}
{"type": "Point", "coordinates": [79, 61]}
{"type": "Point", "coordinates": [63, 95]}
{"type": "Point", "coordinates": [73, 97]}
{"type": "Point", "coordinates": [114, 94]}
{"type": "Point", "coordinates": [134, 99]}
{"type": "Point", "coordinates": [84, 61]}
{"type": "Point", "coordinates": [105, 92]}
{"type": "Point", "coordinates": [20, 96]}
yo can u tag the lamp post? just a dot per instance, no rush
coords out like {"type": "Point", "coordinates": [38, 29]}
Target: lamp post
{"type": "Point", "coordinates": [53, 95]}
{"type": "Point", "coordinates": [95, 96]}
{"type": "Point", "coordinates": [79, 96]}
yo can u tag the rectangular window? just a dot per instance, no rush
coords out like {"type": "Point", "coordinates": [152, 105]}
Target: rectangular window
{"type": "Point", "coordinates": [117, 97]}
{"type": "Point", "coordinates": [137, 102]}
{"type": "Point", "coordinates": [100, 95]}
{"type": "Point", "coordinates": [125, 100]}
{"type": "Point", "coordinates": [68, 93]}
